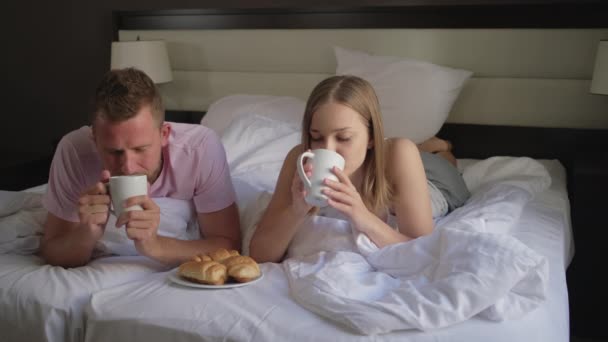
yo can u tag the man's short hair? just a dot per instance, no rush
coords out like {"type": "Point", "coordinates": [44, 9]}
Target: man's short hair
{"type": "Point", "coordinates": [123, 92]}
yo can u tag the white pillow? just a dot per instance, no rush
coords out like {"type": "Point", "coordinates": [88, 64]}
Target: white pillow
{"type": "Point", "coordinates": [415, 96]}
{"type": "Point", "coordinates": [256, 147]}
{"type": "Point", "coordinates": [223, 111]}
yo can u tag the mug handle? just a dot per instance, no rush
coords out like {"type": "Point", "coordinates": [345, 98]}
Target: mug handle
{"type": "Point", "coordinates": [300, 167]}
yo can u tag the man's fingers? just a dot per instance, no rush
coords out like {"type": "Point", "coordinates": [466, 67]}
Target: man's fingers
{"type": "Point", "coordinates": [105, 176]}
{"type": "Point", "coordinates": [94, 218]}
{"type": "Point", "coordinates": [144, 201]}
{"type": "Point", "coordinates": [94, 209]}
{"type": "Point", "coordinates": [138, 215]}
{"type": "Point", "coordinates": [97, 189]}
{"type": "Point", "coordinates": [139, 224]}
{"type": "Point", "coordinates": [99, 218]}
{"type": "Point", "coordinates": [94, 199]}
{"type": "Point", "coordinates": [137, 234]}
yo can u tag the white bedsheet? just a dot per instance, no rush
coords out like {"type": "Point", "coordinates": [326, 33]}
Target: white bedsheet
{"type": "Point", "coordinates": [44, 303]}
{"type": "Point", "coordinates": [156, 309]}
{"type": "Point", "coordinates": [39, 302]}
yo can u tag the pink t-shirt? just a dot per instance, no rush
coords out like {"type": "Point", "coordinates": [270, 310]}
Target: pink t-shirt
{"type": "Point", "coordinates": [194, 168]}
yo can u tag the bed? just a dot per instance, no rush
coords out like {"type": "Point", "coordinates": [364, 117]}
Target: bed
{"type": "Point", "coordinates": [157, 308]}
{"type": "Point", "coordinates": [260, 75]}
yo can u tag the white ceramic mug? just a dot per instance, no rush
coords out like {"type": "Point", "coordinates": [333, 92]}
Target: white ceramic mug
{"type": "Point", "coordinates": [322, 162]}
{"type": "Point", "coordinates": [124, 187]}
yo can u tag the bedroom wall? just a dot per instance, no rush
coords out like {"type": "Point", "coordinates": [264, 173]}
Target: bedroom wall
{"type": "Point", "coordinates": [61, 49]}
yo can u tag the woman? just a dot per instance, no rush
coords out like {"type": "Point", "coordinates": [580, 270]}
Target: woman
{"type": "Point", "coordinates": [381, 178]}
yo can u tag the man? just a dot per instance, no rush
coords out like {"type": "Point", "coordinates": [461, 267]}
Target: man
{"type": "Point", "coordinates": [129, 136]}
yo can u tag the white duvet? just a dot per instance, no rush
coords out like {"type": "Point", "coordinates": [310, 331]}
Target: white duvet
{"type": "Point", "coordinates": [469, 266]}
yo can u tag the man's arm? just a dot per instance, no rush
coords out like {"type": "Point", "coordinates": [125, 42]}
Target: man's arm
{"type": "Point", "coordinates": [70, 244]}
{"type": "Point", "coordinates": [219, 229]}
{"type": "Point", "coordinates": [65, 243]}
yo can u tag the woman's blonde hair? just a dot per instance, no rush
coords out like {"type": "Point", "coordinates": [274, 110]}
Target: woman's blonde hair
{"type": "Point", "coordinates": [359, 95]}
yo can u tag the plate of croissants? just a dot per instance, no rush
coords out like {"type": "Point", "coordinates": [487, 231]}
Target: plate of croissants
{"type": "Point", "coordinates": [220, 269]}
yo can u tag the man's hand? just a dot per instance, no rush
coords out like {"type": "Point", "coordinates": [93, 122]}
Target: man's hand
{"type": "Point", "coordinates": [94, 206]}
{"type": "Point", "coordinates": [142, 225]}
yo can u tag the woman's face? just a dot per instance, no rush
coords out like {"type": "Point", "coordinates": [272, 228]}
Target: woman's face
{"type": "Point", "coordinates": [339, 128]}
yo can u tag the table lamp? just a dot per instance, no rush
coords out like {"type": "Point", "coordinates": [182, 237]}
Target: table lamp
{"type": "Point", "coordinates": [150, 57]}
{"type": "Point", "coordinates": [599, 82]}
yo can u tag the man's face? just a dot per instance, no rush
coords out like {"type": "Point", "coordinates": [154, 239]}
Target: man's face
{"type": "Point", "coordinates": [133, 146]}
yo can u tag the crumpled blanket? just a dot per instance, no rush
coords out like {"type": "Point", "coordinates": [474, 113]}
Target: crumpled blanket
{"type": "Point", "coordinates": [468, 266]}
{"type": "Point", "coordinates": [21, 220]}
{"type": "Point", "coordinates": [22, 217]}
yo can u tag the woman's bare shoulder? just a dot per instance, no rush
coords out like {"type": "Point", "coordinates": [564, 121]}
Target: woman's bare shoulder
{"type": "Point", "coordinates": [401, 154]}
{"type": "Point", "coordinates": [397, 148]}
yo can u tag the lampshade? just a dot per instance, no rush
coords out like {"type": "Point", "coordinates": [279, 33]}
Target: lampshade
{"type": "Point", "coordinates": [150, 57]}
{"type": "Point", "coordinates": [599, 83]}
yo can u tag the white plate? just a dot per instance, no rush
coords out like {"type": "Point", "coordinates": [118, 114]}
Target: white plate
{"type": "Point", "coordinates": [174, 277]}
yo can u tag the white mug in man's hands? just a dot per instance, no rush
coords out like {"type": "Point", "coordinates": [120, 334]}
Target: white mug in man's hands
{"type": "Point", "coordinates": [322, 163]}
{"type": "Point", "coordinates": [124, 187]}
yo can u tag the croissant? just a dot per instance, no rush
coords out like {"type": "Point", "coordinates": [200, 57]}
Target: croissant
{"type": "Point", "coordinates": [200, 258]}
{"type": "Point", "coordinates": [242, 268]}
{"type": "Point", "coordinates": [222, 253]}
{"type": "Point", "coordinates": [216, 267]}
{"type": "Point", "coordinates": [204, 272]}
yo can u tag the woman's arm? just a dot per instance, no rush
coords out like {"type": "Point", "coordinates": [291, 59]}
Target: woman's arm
{"type": "Point", "coordinates": [285, 213]}
{"type": "Point", "coordinates": [411, 198]}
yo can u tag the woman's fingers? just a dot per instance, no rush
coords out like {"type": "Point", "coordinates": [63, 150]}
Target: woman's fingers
{"type": "Point", "coordinates": [341, 187]}
{"type": "Point", "coordinates": [338, 196]}
{"type": "Point", "coordinates": [342, 177]}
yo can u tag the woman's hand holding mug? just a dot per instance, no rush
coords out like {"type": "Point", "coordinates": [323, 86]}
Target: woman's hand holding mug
{"type": "Point", "coordinates": [322, 162]}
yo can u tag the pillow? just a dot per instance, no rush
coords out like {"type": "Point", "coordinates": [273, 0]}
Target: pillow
{"type": "Point", "coordinates": [223, 111]}
{"type": "Point", "coordinates": [415, 96]}
{"type": "Point", "coordinates": [256, 147]}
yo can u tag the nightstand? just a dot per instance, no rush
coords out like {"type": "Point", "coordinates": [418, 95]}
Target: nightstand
{"type": "Point", "coordinates": [588, 295]}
